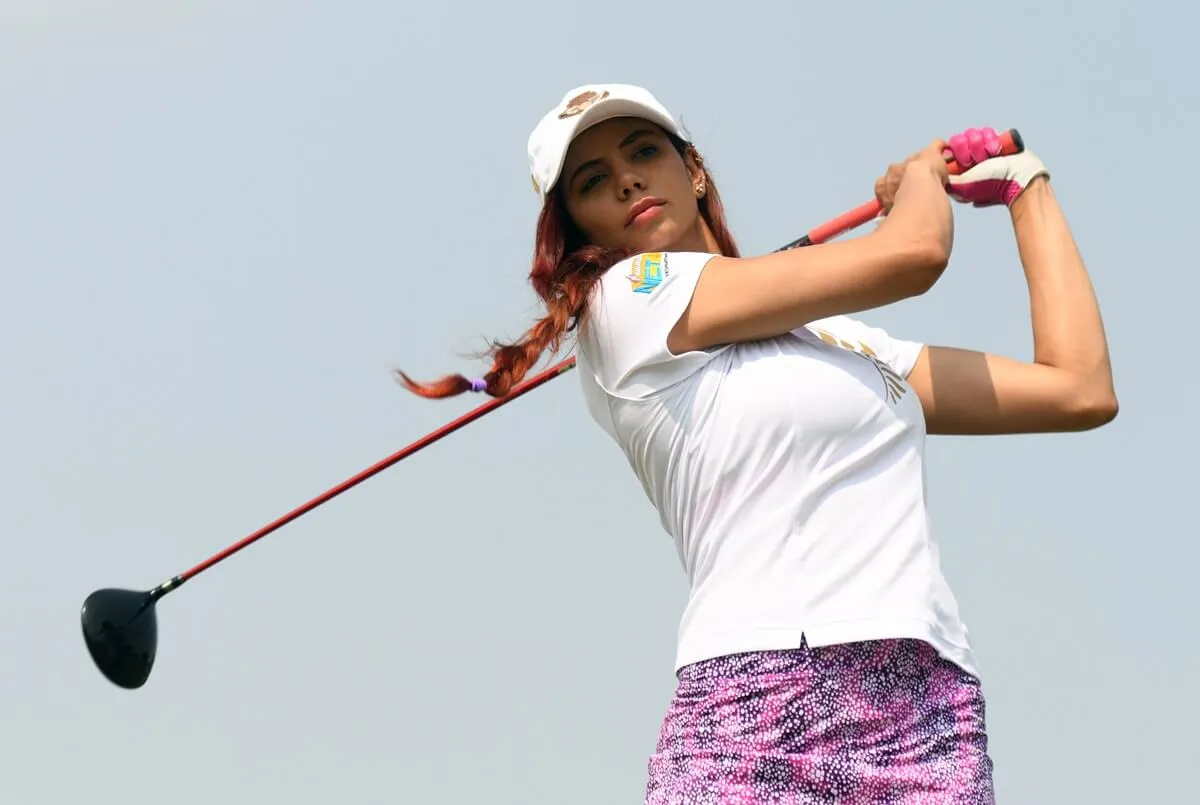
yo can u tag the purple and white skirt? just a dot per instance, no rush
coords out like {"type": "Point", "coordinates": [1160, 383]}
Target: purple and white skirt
{"type": "Point", "coordinates": [886, 722]}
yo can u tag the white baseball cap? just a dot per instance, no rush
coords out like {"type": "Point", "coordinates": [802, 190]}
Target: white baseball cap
{"type": "Point", "coordinates": [580, 109]}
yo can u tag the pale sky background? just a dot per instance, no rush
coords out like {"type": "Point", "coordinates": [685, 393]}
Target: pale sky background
{"type": "Point", "coordinates": [222, 223]}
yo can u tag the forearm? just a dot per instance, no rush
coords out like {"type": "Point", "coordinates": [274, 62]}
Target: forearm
{"type": "Point", "coordinates": [1068, 332]}
{"type": "Point", "coordinates": [921, 213]}
{"type": "Point", "coordinates": [1068, 384]}
{"type": "Point", "coordinates": [745, 299]}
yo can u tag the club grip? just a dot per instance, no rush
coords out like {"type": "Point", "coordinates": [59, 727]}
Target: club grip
{"type": "Point", "coordinates": [1010, 143]}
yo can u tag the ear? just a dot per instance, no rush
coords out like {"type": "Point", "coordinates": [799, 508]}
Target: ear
{"type": "Point", "coordinates": [695, 168]}
{"type": "Point", "coordinates": [694, 163]}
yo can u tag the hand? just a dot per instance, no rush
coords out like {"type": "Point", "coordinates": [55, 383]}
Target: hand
{"type": "Point", "coordinates": [990, 180]}
{"type": "Point", "coordinates": [931, 157]}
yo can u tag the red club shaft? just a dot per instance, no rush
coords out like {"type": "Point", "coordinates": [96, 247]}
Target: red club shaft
{"type": "Point", "coordinates": [1012, 144]}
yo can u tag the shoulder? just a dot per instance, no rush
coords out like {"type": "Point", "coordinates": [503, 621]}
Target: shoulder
{"type": "Point", "coordinates": [867, 339]}
{"type": "Point", "coordinates": [630, 314]}
{"type": "Point", "coordinates": [649, 290]}
{"type": "Point", "coordinates": [642, 276]}
{"type": "Point", "coordinates": [842, 330]}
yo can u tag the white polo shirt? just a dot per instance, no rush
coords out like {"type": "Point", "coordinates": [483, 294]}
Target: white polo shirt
{"type": "Point", "coordinates": [789, 471]}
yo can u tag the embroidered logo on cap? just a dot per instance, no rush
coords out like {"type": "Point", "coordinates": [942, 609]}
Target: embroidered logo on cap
{"type": "Point", "coordinates": [581, 102]}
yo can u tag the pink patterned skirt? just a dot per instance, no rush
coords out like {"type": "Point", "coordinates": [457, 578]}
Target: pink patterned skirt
{"type": "Point", "coordinates": [886, 722]}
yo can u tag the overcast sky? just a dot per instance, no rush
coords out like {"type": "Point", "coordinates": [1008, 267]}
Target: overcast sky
{"type": "Point", "coordinates": [223, 223]}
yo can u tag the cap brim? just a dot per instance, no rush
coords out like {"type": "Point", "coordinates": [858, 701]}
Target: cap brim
{"type": "Point", "coordinates": [608, 109]}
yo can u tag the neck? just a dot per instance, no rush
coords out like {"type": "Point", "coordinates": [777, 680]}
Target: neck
{"type": "Point", "coordinates": [699, 239]}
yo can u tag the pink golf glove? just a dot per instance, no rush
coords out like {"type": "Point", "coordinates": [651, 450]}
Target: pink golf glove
{"type": "Point", "coordinates": [989, 180]}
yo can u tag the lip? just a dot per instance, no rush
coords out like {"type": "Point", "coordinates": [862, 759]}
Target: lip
{"type": "Point", "coordinates": [642, 205]}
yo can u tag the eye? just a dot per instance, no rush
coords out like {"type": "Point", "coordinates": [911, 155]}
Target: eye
{"type": "Point", "coordinates": [591, 182]}
{"type": "Point", "coordinates": [645, 152]}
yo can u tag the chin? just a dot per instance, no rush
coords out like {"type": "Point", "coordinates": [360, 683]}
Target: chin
{"type": "Point", "coordinates": [663, 238]}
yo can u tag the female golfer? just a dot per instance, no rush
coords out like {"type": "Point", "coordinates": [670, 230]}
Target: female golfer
{"type": "Point", "coordinates": [821, 656]}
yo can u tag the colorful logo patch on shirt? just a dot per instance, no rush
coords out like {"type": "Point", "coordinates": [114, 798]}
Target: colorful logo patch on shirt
{"type": "Point", "coordinates": [647, 272]}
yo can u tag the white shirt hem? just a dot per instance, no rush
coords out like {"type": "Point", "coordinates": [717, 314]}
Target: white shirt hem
{"type": "Point", "coordinates": [852, 631]}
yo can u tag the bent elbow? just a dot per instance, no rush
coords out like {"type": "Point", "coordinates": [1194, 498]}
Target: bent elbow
{"type": "Point", "coordinates": [925, 266]}
{"type": "Point", "coordinates": [911, 262]}
{"type": "Point", "coordinates": [1104, 411]}
{"type": "Point", "coordinates": [937, 256]}
{"type": "Point", "coordinates": [1095, 410]}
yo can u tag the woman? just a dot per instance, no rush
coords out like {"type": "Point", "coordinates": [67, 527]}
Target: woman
{"type": "Point", "coordinates": [821, 657]}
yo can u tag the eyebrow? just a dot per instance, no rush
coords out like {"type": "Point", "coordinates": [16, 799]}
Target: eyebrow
{"type": "Point", "coordinates": [631, 137]}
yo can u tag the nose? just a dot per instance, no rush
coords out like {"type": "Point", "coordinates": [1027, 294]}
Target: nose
{"type": "Point", "coordinates": [630, 182]}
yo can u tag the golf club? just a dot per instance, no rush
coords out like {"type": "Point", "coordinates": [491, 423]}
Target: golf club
{"type": "Point", "coordinates": [120, 627]}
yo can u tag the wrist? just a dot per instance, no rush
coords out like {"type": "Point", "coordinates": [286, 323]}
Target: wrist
{"type": "Point", "coordinates": [1037, 191]}
{"type": "Point", "coordinates": [927, 169]}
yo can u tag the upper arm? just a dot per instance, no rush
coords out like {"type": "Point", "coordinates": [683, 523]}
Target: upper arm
{"type": "Point", "coordinates": [762, 297]}
{"type": "Point", "coordinates": [965, 392]}
{"type": "Point", "coordinates": [629, 315]}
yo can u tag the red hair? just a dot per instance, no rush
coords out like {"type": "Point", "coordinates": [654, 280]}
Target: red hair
{"type": "Point", "coordinates": [565, 269]}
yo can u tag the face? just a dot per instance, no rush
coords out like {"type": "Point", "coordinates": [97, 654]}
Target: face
{"type": "Point", "coordinates": [626, 186]}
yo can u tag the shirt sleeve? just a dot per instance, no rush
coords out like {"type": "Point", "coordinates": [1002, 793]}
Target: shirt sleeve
{"type": "Point", "coordinates": [631, 312]}
{"type": "Point", "coordinates": [899, 354]}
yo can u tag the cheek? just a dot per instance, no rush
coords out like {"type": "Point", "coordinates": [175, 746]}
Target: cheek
{"type": "Point", "coordinates": [594, 216]}
{"type": "Point", "coordinates": [677, 183]}
{"type": "Point", "coordinates": [669, 168]}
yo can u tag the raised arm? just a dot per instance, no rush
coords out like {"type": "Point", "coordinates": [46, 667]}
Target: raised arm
{"type": "Point", "coordinates": [762, 297]}
{"type": "Point", "coordinates": [1068, 385]}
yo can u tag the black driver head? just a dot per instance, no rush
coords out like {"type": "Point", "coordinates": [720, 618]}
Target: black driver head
{"type": "Point", "coordinates": [121, 632]}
